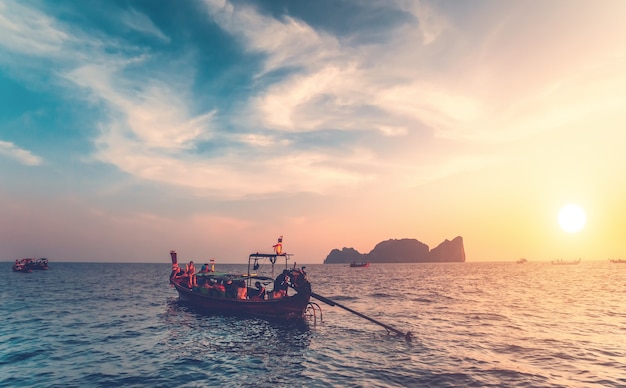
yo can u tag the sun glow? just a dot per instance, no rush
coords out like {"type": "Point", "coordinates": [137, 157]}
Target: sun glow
{"type": "Point", "coordinates": [572, 218]}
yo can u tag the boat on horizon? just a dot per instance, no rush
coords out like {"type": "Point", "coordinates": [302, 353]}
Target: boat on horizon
{"type": "Point", "coordinates": [30, 264]}
{"type": "Point", "coordinates": [565, 262]}
{"type": "Point", "coordinates": [618, 261]}
{"type": "Point", "coordinates": [521, 261]}
{"type": "Point", "coordinates": [215, 292]}
{"type": "Point", "coordinates": [364, 264]}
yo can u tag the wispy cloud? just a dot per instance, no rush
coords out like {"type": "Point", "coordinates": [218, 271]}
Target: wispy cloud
{"type": "Point", "coordinates": [29, 31]}
{"type": "Point", "coordinates": [140, 22]}
{"type": "Point", "coordinates": [21, 155]}
{"type": "Point", "coordinates": [287, 42]}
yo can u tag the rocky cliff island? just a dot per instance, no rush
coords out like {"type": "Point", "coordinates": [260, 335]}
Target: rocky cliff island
{"type": "Point", "coordinates": [405, 250]}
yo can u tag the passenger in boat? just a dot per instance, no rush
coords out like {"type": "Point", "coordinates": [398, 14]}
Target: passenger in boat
{"type": "Point", "coordinates": [221, 288]}
{"type": "Point", "coordinates": [257, 293]}
{"type": "Point", "coordinates": [187, 274]}
{"type": "Point", "coordinates": [231, 289]}
{"type": "Point", "coordinates": [281, 284]}
{"type": "Point", "coordinates": [191, 273]}
{"type": "Point", "coordinates": [242, 290]}
{"type": "Point", "coordinates": [299, 281]}
{"type": "Point", "coordinates": [218, 289]}
{"type": "Point", "coordinates": [178, 272]}
{"type": "Point", "coordinates": [205, 285]}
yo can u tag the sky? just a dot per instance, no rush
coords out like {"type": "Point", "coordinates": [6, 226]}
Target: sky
{"type": "Point", "coordinates": [129, 128]}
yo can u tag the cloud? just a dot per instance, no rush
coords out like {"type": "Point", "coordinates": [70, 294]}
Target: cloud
{"type": "Point", "coordinates": [330, 83]}
{"type": "Point", "coordinates": [140, 22]}
{"type": "Point", "coordinates": [28, 31]}
{"type": "Point", "coordinates": [21, 155]}
{"type": "Point", "coordinates": [151, 112]}
{"type": "Point", "coordinates": [154, 137]}
{"type": "Point", "coordinates": [287, 42]}
{"type": "Point", "coordinates": [434, 77]}
{"type": "Point", "coordinates": [152, 133]}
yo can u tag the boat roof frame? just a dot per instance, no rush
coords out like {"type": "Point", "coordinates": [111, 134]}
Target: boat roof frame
{"type": "Point", "coordinates": [256, 256]}
{"type": "Point", "coordinates": [270, 255]}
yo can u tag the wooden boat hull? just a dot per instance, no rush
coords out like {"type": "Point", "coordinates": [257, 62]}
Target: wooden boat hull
{"type": "Point", "coordinates": [287, 308]}
{"type": "Point", "coordinates": [290, 307]}
{"type": "Point", "coordinates": [25, 270]}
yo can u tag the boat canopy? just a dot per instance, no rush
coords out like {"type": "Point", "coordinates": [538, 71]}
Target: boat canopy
{"type": "Point", "coordinates": [255, 258]}
{"type": "Point", "coordinates": [270, 255]}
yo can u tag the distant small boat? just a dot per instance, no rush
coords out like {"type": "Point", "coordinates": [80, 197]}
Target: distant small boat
{"type": "Point", "coordinates": [29, 264]}
{"type": "Point", "coordinates": [355, 264]}
{"type": "Point", "coordinates": [565, 262]}
{"type": "Point", "coordinates": [618, 261]}
{"type": "Point", "coordinates": [521, 261]}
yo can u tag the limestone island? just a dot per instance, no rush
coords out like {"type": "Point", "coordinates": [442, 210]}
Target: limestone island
{"type": "Point", "coordinates": [406, 250]}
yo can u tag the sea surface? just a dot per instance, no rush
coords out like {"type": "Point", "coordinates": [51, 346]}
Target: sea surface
{"type": "Point", "coordinates": [473, 325]}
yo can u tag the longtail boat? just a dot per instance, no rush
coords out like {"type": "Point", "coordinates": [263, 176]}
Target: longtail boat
{"type": "Point", "coordinates": [355, 264]}
{"type": "Point", "coordinates": [217, 292]}
{"type": "Point", "coordinates": [618, 261]}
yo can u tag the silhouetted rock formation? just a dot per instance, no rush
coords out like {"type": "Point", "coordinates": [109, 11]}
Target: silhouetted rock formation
{"type": "Point", "coordinates": [346, 255]}
{"type": "Point", "coordinates": [405, 250]}
{"type": "Point", "coordinates": [402, 251]}
{"type": "Point", "coordinates": [448, 251]}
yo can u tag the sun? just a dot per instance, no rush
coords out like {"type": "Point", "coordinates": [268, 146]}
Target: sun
{"type": "Point", "coordinates": [572, 218]}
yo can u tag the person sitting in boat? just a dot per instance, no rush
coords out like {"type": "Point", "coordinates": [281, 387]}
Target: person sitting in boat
{"type": "Point", "coordinates": [218, 289]}
{"type": "Point", "coordinates": [242, 290]}
{"type": "Point", "coordinates": [257, 293]}
{"type": "Point", "coordinates": [205, 284]}
{"type": "Point", "coordinates": [191, 274]}
{"type": "Point", "coordinates": [281, 284]}
{"type": "Point", "coordinates": [178, 272]}
{"type": "Point", "coordinates": [299, 280]}
{"type": "Point", "coordinates": [231, 289]}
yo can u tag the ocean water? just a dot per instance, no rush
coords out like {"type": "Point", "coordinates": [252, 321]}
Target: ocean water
{"type": "Point", "coordinates": [473, 325]}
